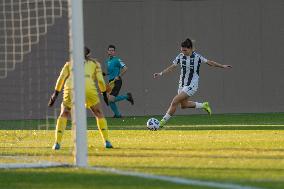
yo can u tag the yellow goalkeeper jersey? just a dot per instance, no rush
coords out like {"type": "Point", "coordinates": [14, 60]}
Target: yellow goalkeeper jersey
{"type": "Point", "coordinates": [93, 72]}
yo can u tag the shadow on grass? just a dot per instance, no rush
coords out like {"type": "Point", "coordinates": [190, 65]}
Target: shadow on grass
{"type": "Point", "coordinates": [261, 121]}
{"type": "Point", "coordinates": [73, 178]}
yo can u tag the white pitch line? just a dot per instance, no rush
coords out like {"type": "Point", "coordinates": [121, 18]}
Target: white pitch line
{"type": "Point", "coordinates": [31, 165]}
{"type": "Point", "coordinates": [175, 180]}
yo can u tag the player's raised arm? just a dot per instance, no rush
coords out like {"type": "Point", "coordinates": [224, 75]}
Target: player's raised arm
{"type": "Point", "coordinates": [215, 64]}
{"type": "Point", "coordinates": [167, 70]}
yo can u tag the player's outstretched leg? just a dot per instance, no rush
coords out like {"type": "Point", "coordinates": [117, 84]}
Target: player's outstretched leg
{"type": "Point", "coordinates": [206, 107]}
{"type": "Point", "coordinates": [172, 109]}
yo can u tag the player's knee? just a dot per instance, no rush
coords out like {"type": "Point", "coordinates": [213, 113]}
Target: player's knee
{"type": "Point", "coordinates": [111, 98]}
{"type": "Point", "coordinates": [176, 100]}
{"type": "Point", "coordinates": [97, 112]}
{"type": "Point", "coordinates": [174, 103]}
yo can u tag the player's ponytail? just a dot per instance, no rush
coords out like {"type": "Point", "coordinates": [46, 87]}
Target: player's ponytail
{"type": "Point", "coordinates": [87, 52]}
{"type": "Point", "coordinates": [187, 44]}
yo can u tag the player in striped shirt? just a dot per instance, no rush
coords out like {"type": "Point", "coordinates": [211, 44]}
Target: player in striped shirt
{"type": "Point", "coordinates": [92, 72]}
{"type": "Point", "coordinates": [189, 61]}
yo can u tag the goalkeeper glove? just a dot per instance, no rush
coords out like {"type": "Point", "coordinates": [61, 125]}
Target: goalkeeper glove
{"type": "Point", "coordinates": [105, 98]}
{"type": "Point", "coordinates": [53, 98]}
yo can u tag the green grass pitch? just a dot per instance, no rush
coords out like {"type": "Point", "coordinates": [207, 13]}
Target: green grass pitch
{"type": "Point", "coordinates": [242, 149]}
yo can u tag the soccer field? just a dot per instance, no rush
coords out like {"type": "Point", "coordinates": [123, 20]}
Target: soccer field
{"type": "Point", "coordinates": [245, 150]}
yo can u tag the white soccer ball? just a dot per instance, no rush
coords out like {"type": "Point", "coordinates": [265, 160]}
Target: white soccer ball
{"type": "Point", "coordinates": [153, 124]}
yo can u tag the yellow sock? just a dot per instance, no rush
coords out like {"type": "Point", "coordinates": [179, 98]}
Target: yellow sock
{"type": "Point", "coordinates": [102, 125]}
{"type": "Point", "coordinates": [60, 128]}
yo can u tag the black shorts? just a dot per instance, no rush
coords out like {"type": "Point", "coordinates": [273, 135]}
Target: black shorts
{"type": "Point", "coordinates": [116, 88]}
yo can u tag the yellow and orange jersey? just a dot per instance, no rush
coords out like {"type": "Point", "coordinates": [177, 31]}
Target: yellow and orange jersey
{"type": "Point", "coordinates": [93, 72]}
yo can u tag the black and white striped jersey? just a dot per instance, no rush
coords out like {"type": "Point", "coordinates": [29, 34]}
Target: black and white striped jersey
{"type": "Point", "coordinates": [189, 68]}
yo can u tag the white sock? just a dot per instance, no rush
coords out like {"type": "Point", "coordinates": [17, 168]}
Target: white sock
{"type": "Point", "coordinates": [198, 105]}
{"type": "Point", "coordinates": [167, 117]}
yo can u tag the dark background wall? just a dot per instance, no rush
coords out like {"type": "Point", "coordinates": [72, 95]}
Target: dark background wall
{"type": "Point", "coordinates": [246, 34]}
{"type": "Point", "coordinates": [249, 35]}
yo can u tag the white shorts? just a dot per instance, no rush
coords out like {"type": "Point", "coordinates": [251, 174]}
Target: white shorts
{"type": "Point", "coordinates": [189, 90]}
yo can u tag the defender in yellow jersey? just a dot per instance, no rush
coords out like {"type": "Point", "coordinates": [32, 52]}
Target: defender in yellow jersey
{"type": "Point", "coordinates": [92, 72]}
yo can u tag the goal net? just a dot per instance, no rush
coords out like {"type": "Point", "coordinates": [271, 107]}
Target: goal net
{"type": "Point", "coordinates": [34, 45]}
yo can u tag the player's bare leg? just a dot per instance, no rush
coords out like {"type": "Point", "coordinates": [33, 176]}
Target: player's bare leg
{"type": "Point", "coordinates": [176, 101]}
{"type": "Point", "coordinates": [172, 109]}
{"type": "Point", "coordinates": [187, 104]}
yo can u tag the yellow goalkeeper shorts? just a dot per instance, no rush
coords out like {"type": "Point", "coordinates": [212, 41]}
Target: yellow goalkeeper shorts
{"type": "Point", "coordinates": [92, 98]}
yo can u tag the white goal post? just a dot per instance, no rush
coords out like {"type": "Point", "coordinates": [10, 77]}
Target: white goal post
{"type": "Point", "coordinates": [79, 111]}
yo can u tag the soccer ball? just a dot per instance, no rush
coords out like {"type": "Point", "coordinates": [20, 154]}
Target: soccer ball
{"type": "Point", "coordinates": [153, 124]}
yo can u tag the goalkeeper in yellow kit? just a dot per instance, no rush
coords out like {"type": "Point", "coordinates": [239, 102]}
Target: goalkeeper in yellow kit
{"type": "Point", "coordinates": [92, 72]}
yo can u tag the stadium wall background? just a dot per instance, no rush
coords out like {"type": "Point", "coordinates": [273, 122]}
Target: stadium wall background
{"type": "Point", "coordinates": [249, 35]}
